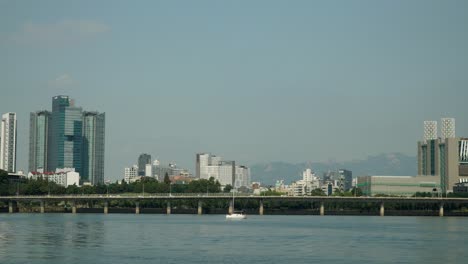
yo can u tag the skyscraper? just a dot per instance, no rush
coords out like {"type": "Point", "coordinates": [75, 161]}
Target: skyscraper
{"type": "Point", "coordinates": [65, 137]}
{"type": "Point", "coordinates": [93, 147]}
{"type": "Point", "coordinates": [143, 159]}
{"type": "Point", "coordinates": [8, 133]}
{"type": "Point", "coordinates": [38, 140]}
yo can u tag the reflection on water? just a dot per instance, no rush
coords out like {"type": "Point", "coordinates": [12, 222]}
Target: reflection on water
{"type": "Point", "coordinates": [98, 238]}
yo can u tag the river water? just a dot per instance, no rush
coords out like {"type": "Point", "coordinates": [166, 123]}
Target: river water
{"type": "Point", "coordinates": [128, 238]}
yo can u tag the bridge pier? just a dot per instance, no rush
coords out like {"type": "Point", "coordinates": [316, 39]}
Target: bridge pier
{"type": "Point", "coordinates": [441, 210]}
{"type": "Point", "coordinates": [106, 207]}
{"type": "Point", "coordinates": [382, 209]}
{"type": "Point", "coordinates": [168, 208]}
{"type": "Point", "coordinates": [231, 207]}
{"type": "Point", "coordinates": [42, 206]}
{"type": "Point", "coordinates": [200, 209]}
{"type": "Point", "coordinates": [11, 208]}
{"type": "Point", "coordinates": [137, 207]}
{"type": "Point", "coordinates": [322, 208]}
{"type": "Point", "coordinates": [260, 210]}
{"type": "Point", "coordinates": [73, 205]}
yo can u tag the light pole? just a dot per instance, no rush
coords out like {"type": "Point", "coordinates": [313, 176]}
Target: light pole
{"type": "Point", "coordinates": [170, 189]}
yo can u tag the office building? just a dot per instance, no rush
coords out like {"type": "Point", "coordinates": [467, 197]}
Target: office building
{"type": "Point", "coordinates": [444, 157]}
{"type": "Point", "coordinates": [38, 140]}
{"type": "Point", "coordinates": [93, 147]}
{"type": "Point", "coordinates": [8, 133]}
{"type": "Point", "coordinates": [65, 135]}
{"type": "Point", "coordinates": [68, 137]}
{"type": "Point", "coordinates": [346, 179]}
{"type": "Point", "coordinates": [143, 160]}
{"type": "Point", "coordinates": [226, 172]}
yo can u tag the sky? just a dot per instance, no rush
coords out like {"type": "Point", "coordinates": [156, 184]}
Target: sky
{"type": "Point", "coordinates": [251, 81]}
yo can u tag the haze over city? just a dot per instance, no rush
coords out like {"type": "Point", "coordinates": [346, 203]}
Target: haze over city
{"type": "Point", "coordinates": [251, 81]}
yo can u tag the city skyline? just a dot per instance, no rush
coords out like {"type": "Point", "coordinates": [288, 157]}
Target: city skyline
{"type": "Point", "coordinates": [271, 82]}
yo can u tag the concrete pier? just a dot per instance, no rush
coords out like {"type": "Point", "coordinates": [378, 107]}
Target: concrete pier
{"type": "Point", "coordinates": [168, 208]}
{"type": "Point", "coordinates": [73, 206]}
{"type": "Point", "coordinates": [11, 209]}
{"type": "Point", "coordinates": [260, 210]}
{"type": "Point", "coordinates": [42, 207]}
{"type": "Point", "coordinates": [441, 210]}
{"type": "Point", "coordinates": [231, 207]}
{"type": "Point", "coordinates": [382, 209]}
{"type": "Point", "coordinates": [200, 209]}
{"type": "Point", "coordinates": [137, 207]}
{"type": "Point", "coordinates": [322, 209]}
{"type": "Point", "coordinates": [106, 207]}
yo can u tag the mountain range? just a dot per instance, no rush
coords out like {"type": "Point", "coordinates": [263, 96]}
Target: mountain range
{"type": "Point", "coordinates": [396, 164]}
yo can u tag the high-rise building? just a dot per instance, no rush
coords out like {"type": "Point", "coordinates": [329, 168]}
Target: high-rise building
{"type": "Point", "coordinates": [8, 132]}
{"type": "Point", "coordinates": [444, 157]}
{"type": "Point", "coordinates": [143, 160]}
{"type": "Point", "coordinates": [65, 137]}
{"type": "Point", "coordinates": [93, 147]}
{"type": "Point", "coordinates": [38, 140]}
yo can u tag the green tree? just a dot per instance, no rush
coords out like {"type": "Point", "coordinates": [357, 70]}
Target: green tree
{"type": "Point", "coordinates": [317, 192]}
{"type": "Point", "coordinates": [167, 180]}
{"type": "Point", "coordinates": [227, 188]}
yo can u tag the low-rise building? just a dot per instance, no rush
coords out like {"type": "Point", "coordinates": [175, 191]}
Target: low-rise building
{"type": "Point", "coordinates": [398, 185]}
{"type": "Point", "coordinates": [61, 176]}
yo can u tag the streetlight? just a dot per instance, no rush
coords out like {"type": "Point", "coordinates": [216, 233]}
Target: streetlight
{"type": "Point", "coordinates": [170, 189]}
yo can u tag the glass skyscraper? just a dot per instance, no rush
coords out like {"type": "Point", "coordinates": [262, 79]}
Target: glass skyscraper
{"type": "Point", "coordinates": [67, 137]}
{"type": "Point", "coordinates": [38, 140]}
{"type": "Point", "coordinates": [93, 147]}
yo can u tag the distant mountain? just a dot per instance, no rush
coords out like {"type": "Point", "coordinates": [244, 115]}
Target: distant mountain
{"type": "Point", "coordinates": [384, 164]}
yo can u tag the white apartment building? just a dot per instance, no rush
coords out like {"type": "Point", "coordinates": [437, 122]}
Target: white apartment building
{"type": "Point", "coordinates": [131, 174]}
{"type": "Point", "coordinates": [305, 186]}
{"type": "Point", "coordinates": [61, 176]}
{"type": "Point", "coordinates": [242, 177]}
{"type": "Point", "coordinates": [8, 132]}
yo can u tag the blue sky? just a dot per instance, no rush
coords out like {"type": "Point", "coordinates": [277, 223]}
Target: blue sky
{"type": "Point", "coordinates": [252, 81]}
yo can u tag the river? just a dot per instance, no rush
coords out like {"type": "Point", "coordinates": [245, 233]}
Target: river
{"type": "Point", "coordinates": [129, 238]}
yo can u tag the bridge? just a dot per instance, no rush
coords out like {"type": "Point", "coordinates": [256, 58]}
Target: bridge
{"type": "Point", "coordinates": [167, 198]}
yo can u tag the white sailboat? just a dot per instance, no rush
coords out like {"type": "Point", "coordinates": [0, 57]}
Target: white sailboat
{"type": "Point", "coordinates": [235, 215]}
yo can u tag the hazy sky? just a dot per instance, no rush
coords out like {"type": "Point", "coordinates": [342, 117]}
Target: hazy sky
{"type": "Point", "coordinates": [252, 81]}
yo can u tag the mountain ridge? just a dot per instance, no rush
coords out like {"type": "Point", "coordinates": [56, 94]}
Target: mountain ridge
{"type": "Point", "coordinates": [396, 164]}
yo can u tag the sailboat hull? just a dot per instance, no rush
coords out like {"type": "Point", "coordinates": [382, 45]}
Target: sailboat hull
{"type": "Point", "coordinates": [236, 216]}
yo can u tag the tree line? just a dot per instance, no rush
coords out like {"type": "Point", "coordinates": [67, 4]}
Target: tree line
{"type": "Point", "coordinates": [40, 186]}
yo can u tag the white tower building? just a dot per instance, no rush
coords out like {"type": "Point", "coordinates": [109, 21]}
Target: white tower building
{"type": "Point", "coordinates": [447, 128]}
{"type": "Point", "coordinates": [8, 134]}
{"type": "Point", "coordinates": [430, 130]}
